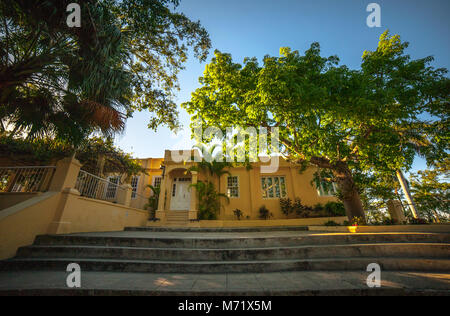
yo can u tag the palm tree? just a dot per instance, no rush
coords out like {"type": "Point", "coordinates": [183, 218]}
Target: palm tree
{"type": "Point", "coordinates": [57, 81]}
{"type": "Point", "coordinates": [212, 166]}
{"type": "Point", "coordinates": [153, 200]}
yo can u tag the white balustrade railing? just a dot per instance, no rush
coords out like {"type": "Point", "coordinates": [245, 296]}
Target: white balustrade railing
{"type": "Point", "coordinates": [26, 179]}
{"type": "Point", "coordinates": [97, 188]}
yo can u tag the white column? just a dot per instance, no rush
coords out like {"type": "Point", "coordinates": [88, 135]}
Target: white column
{"type": "Point", "coordinates": [193, 212]}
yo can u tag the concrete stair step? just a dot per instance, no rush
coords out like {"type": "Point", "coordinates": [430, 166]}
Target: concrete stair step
{"type": "Point", "coordinates": [146, 266]}
{"type": "Point", "coordinates": [225, 242]}
{"type": "Point", "coordinates": [415, 250]}
{"type": "Point", "coordinates": [219, 229]}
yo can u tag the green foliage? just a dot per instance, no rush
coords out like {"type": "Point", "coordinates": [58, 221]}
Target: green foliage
{"type": "Point", "coordinates": [331, 224]}
{"type": "Point", "coordinates": [208, 200]}
{"type": "Point", "coordinates": [212, 165]}
{"type": "Point", "coordinates": [431, 190]}
{"type": "Point", "coordinates": [331, 209]}
{"type": "Point", "coordinates": [264, 213]}
{"type": "Point", "coordinates": [346, 121]}
{"type": "Point", "coordinates": [45, 151]}
{"type": "Point", "coordinates": [286, 206]}
{"type": "Point", "coordinates": [356, 221]}
{"type": "Point", "coordinates": [34, 151]}
{"type": "Point", "coordinates": [238, 214]}
{"type": "Point", "coordinates": [418, 221]}
{"type": "Point", "coordinates": [153, 201]}
{"type": "Point", "coordinates": [69, 82]}
{"type": "Point", "coordinates": [335, 209]}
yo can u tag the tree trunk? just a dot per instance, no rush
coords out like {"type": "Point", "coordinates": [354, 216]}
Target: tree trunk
{"type": "Point", "coordinates": [350, 194]}
{"type": "Point", "coordinates": [404, 184]}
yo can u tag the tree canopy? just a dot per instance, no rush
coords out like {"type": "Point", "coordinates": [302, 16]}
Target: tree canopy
{"type": "Point", "coordinates": [69, 82]}
{"type": "Point", "coordinates": [343, 120]}
{"type": "Point", "coordinates": [47, 151]}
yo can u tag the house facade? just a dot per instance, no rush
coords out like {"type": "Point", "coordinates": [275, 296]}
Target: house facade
{"type": "Point", "coordinates": [247, 189]}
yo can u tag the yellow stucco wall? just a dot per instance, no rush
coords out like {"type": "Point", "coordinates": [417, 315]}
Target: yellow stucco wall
{"type": "Point", "coordinates": [61, 213]}
{"type": "Point", "coordinates": [298, 185]}
{"type": "Point", "coordinates": [20, 224]}
{"type": "Point", "coordinates": [251, 194]}
{"type": "Point", "coordinates": [152, 168]}
{"type": "Point", "coordinates": [8, 199]}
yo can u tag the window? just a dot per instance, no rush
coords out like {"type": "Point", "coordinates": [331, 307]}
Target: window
{"type": "Point", "coordinates": [273, 187]}
{"type": "Point", "coordinates": [174, 189]}
{"type": "Point", "coordinates": [134, 186]}
{"type": "Point", "coordinates": [157, 181]}
{"type": "Point", "coordinates": [111, 189]}
{"type": "Point", "coordinates": [327, 189]}
{"type": "Point", "coordinates": [233, 187]}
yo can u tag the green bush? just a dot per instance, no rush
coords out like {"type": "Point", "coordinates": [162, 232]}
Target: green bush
{"type": "Point", "coordinates": [331, 223]}
{"type": "Point", "coordinates": [418, 221]}
{"type": "Point", "coordinates": [264, 213]}
{"type": "Point", "coordinates": [286, 206]}
{"type": "Point", "coordinates": [208, 200]}
{"type": "Point", "coordinates": [238, 213]}
{"type": "Point", "coordinates": [335, 209]}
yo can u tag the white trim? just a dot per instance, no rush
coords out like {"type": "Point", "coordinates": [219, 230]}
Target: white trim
{"type": "Point", "coordinates": [134, 191]}
{"type": "Point", "coordinates": [321, 191]}
{"type": "Point", "coordinates": [238, 187]}
{"type": "Point", "coordinates": [114, 185]}
{"type": "Point", "coordinates": [274, 190]}
{"type": "Point", "coordinates": [154, 180]}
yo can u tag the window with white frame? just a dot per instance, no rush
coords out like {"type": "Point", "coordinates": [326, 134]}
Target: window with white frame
{"type": "Point", "coordinates": [111, 189]}
{"type": "Point", "coordinates": [327, 189]}
{"type": "Point", "coordinates": [134, 186]}
{"type": "Point", "coordinates": [233, 187]}
{"type": "Point", "coordinates": [273, 187]}
{"type": "Point", "coordinates": [157, 181]}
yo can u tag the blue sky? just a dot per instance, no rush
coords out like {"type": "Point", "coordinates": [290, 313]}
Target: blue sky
{"type": "Point", "coordinates": [247, 28]}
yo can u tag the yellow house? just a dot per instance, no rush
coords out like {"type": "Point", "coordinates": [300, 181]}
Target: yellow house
{"type": "Point", "coordinates": [248, 190]}
{"type": "Point", "coordinates": [140, 183]}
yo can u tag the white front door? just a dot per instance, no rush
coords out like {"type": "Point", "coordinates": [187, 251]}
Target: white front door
{"type": "Point", "coordinates": [181, 194]}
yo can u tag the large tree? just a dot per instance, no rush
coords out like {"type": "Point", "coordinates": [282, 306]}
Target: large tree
{"type": "Point", "coordinates": [431, 189]}
{"type": "Point", "coordinates": [342, 120]}
{"type": "Point", "coordinates": [68, 82]}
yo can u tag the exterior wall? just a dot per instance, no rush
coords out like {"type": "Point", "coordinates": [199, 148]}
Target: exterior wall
{"type": "Point", "coordinates": [20, 224]}
{"type": "Point", "coordinates": [8, 199]}
{"type": "Point", "coordinates": [251, 193]}
{"type": "Point", "coordinates": [61, 213]}
{"type": "Point", "coordinates": [152, 167]}
{"type": "Point", "coordinates": [250, 200]}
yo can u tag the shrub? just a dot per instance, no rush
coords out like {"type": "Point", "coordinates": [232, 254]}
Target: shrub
{"type": "Point", "coordinates": [264, 213]}
{"type": "Point", "coordinates": [335, 209]}
{"type": "Point", "coordinates": [331, 223]}
{"type": "Point", "coordinates": [286, 206]}
{"type": "Point", "coordinates": [238, 213]}
{"type": "Point", "coordinates": [357, 221]}
{"type": "Point", "coordinates": [208, 200]}
{"type": "Point", "coordinates": [418, 221]}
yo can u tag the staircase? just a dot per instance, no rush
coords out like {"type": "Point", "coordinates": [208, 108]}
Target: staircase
{"type": "Point", "coordinates": [177, 219]}
{"type": "Point", "coordinates": [241, 250]}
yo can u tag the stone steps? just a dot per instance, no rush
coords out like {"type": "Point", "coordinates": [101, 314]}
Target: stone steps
{"type": "Point", "coordinates": [403, 250]}
{"type": "Point", "coordinates": [211, 267]}
{"type": "Point", "coordinates": [216, 230]}
{"type": "Point", "coordinates": [225, 241]}
{"type": "Point", "coordinates": [197, 251]}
